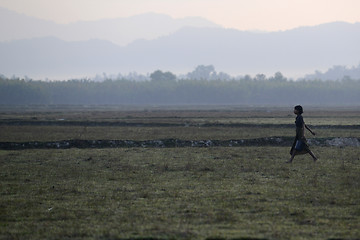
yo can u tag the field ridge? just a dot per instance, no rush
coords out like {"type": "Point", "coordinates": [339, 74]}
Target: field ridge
{"type": "Point", "coordinates": [161, 124]}
{"type": "Point", "coordinates": [172, 143]}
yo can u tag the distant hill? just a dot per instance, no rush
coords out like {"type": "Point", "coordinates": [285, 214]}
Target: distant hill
{"type": "Point", "coordinates": [54, 57]}
{"type": "Point", "coordinates": [294, 52]}
{"type": "Point", "coordinates": [121, 31]}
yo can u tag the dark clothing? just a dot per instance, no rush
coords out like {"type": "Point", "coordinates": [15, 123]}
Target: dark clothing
{"type": "Point", "coordinates": [299, 123]}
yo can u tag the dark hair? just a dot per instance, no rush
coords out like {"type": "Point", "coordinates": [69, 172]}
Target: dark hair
{"type": "Point", "coordinates": [299, 109]}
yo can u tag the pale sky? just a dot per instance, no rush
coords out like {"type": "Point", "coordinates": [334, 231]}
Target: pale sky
{"type": "Point", "coordinates": [267, 15]}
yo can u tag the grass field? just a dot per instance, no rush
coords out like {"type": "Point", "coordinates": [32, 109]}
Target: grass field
{"type": "Point", "coordinates": [177, 193]}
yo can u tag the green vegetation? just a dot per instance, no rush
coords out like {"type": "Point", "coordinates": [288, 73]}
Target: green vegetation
{"type": "Point", "coordinates": [176, 193]}
{"type": "Point", "coordinates": [274, 91]}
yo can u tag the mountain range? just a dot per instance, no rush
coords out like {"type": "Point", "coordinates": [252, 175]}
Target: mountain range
{"type": "Point", "coordinates": [121, 31]}
{"type": "Point", "coordinates": [37, 48]}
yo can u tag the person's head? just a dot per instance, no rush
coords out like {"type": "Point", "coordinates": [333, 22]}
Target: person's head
{"type": "Point", "coordinates": [298, 109]}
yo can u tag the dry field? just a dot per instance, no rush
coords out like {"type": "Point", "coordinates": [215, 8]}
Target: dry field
{"type": "Point", "coordinates": [177, 192]}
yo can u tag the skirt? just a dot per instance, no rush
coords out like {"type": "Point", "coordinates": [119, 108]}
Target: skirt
{"type": "Point", "coordinates": [305, 147]}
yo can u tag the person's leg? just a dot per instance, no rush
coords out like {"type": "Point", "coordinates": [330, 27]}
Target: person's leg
{"type": "Point", "coordinates": [312, 155]}
{"type": "Point", "coordinates": [292, 156]}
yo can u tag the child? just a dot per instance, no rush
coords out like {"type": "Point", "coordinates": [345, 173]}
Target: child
{"type": "Point", "coordinates": [300, 145]}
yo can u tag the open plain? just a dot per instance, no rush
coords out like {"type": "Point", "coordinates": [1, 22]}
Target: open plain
{"type": "Point", "coordinates": [196, 191]}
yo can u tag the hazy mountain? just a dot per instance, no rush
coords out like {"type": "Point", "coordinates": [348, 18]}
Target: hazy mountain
{"type": "Point", "coordinates": [14, 26]}
{"type": "Point", "coordinates": [56, 58]}
{"type": "Point", "coordinates": [294, 52]}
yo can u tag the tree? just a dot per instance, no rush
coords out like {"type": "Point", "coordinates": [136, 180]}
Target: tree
{"type": "Point", "coordinates": [202, 73]}
{"type": "Point", "coordinates": [278, 77]}
{"type": "Point", "coordinates": [162, 76]}
{"type": "Point", "coordinates": [223, 76]}
{"type": "Point", "coordinates": [260, 77]}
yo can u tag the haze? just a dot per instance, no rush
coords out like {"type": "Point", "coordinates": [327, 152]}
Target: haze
{"type": "Point", "coordinates": [67, 38]}
{"type": "Point", "coordinates": [264, 15]}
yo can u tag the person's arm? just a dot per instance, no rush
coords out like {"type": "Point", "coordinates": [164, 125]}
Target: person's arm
{"type": "Point", "coordinates": [312, 132]}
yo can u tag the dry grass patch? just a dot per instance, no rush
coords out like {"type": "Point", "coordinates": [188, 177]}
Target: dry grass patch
{"type": "Point", "coordinates": [179, 193]}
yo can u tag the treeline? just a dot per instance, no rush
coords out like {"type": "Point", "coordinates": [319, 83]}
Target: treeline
{"type": "Point", "coordinates": [250, 91]}
{"type": "Point", "coordinates": [337, 73]}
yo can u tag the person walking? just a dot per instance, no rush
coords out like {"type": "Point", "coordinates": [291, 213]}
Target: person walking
{"type": "Point", "coordinates": [300, 145]}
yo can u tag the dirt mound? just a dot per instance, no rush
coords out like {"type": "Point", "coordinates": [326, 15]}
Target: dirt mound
{"type": "Point", "coordinates": [169, 143]}
{"type": "Point", "coordinates": [343, 142]}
